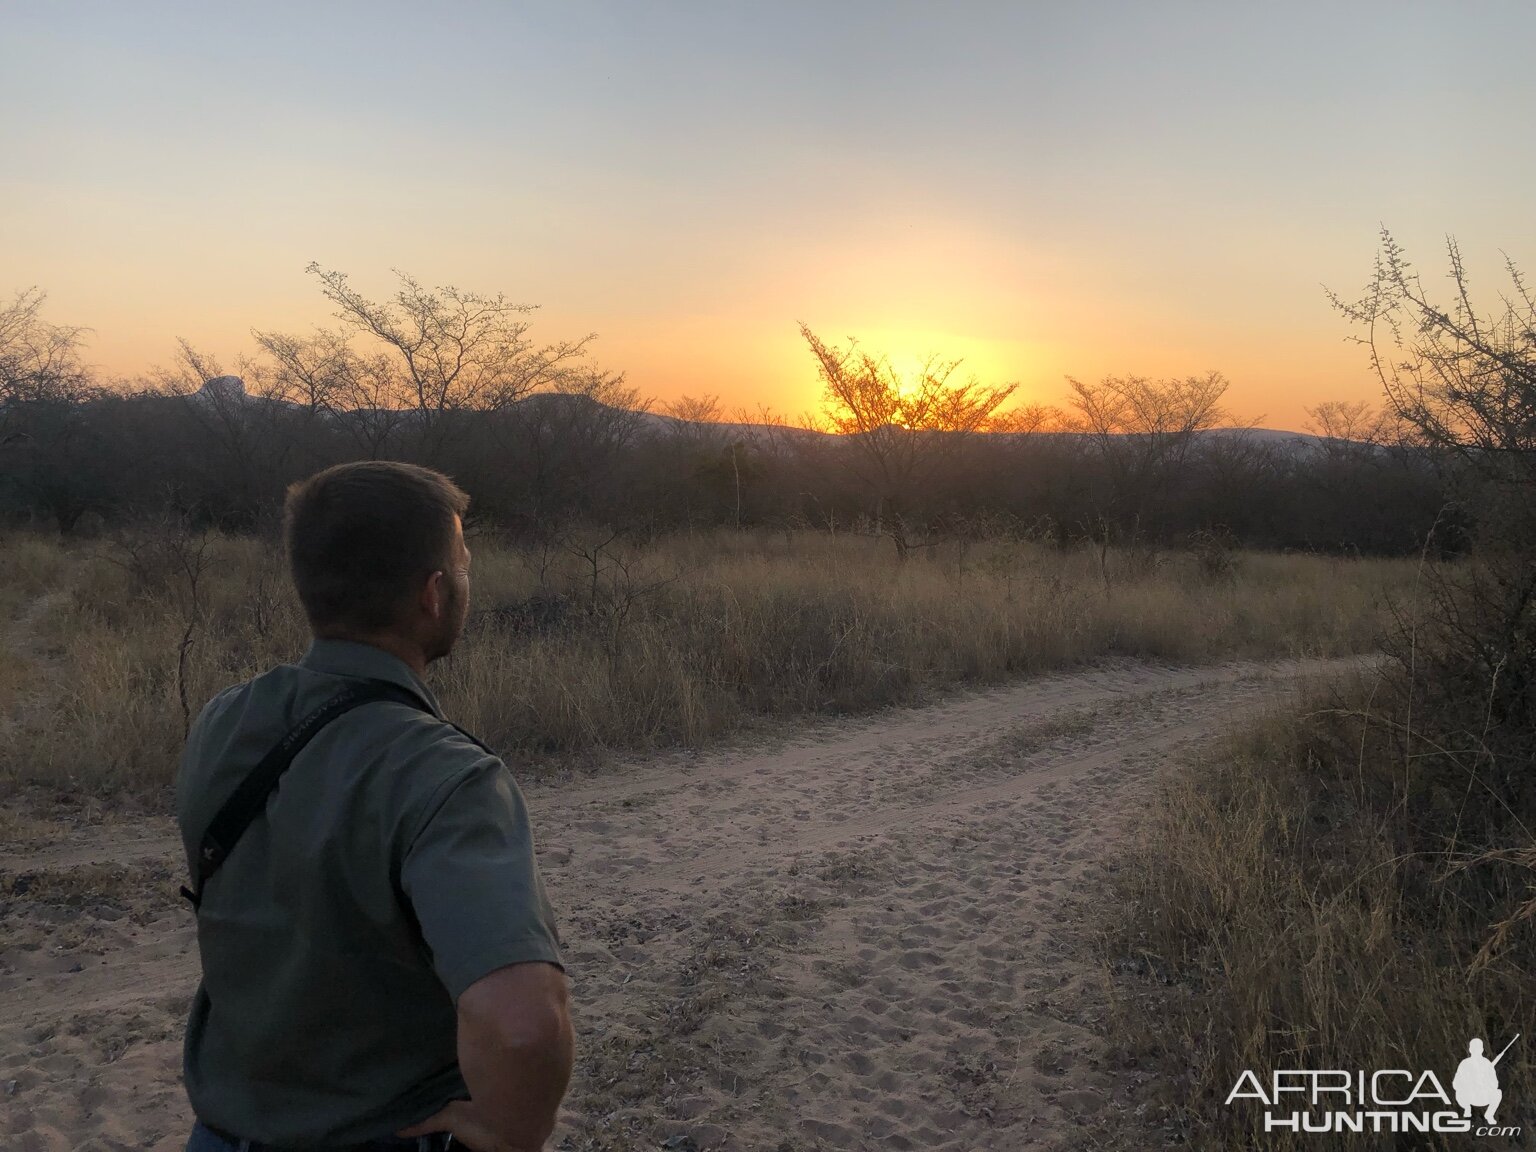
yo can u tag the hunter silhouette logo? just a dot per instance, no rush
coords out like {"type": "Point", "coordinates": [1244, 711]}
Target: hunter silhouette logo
{"type": "Point", "coordinates": [1477, 1080]}
{"type": "Point", "coordinates": [1386, 1100]}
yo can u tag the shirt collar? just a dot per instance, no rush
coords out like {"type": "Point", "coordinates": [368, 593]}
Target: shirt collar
{"type": "Point", "coordinates": [354, 658]}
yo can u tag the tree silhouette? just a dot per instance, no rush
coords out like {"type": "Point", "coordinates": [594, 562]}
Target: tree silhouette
{"type": "Point", "coordinates": [898, 430]}
{"type": "Point", "coordinates": [454, 351]}
{"type": "Point", "coordinates": [1144, 430]}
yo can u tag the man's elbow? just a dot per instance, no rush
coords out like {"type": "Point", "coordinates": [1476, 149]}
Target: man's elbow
{"type": "Point", "coordinates": [521, 1013]}
{"type": "Point", "coordinates": [530, 1031]}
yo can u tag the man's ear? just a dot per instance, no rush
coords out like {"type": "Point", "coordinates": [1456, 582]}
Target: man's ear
{"type": "Point", "coordinates": [434, 599]}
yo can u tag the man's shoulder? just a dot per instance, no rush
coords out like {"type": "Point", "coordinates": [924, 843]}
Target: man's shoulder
{"type": "Point", "coordinates": [424, 761]}
{"type": "Point", "coordinates": [405, 737]}
{"type": "Point", "coordinates": [275, 682]}
{"type": "Point", "coordinates": [280, 696]}
{"type": "Point", "coordinates": [400, 754]}
{"type": "Point", "coordinates": [229, 735]}
{"type": "Point", "coordinates": [437, 754]}
{"type": "Point", "coordinates": [222, 699]}
{"type": "Point", "coordinates": [414, 730]}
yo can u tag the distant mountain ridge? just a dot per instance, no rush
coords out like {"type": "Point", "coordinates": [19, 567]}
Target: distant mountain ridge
{"type": "Point", "coordinates": [226, 390]}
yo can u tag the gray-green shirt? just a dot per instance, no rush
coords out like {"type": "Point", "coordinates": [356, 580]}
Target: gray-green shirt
{"type": "Point", "coordinates": [393, 868]}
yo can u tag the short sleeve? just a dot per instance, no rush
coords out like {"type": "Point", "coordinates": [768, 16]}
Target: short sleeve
{"type": "Point", "coordinates": [474, 885]}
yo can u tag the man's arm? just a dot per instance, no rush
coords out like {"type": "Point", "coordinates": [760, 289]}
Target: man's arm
{"type": "Point", "coordinates": [515, 1051]}
{"type": "Point", "coordinates": [516, 1046]}
{"type": "Point", "coordinates": [470, 876]}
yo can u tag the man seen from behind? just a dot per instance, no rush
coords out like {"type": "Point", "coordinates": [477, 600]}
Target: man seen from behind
{"type": "Point", "coordinates": [380, 964]}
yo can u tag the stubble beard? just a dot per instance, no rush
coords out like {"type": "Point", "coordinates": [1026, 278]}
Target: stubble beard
{"type": "Point", "coordinates": [455, 612]}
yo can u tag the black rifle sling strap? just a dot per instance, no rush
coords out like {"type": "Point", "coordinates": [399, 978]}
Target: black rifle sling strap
{"type": "Point", "coordinates": [250, 798]}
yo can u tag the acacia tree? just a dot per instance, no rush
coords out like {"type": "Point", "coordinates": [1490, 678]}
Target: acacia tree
{"type": "Point", "coordinates": [695, 421]}
{"type": "Point", "coordinates": [49, 451]}
{"type": "Point", "coordinates": [328, 378]}
{"type": "Point", "coordinates": [898, 430]}
{"type": "Point", "coordinates": [38, 360]}
{"type": "Point", "coordinates": [453, 351]}
{"type": "Point", "coordinates": [1144, 431]}
{"type": "Point", "coordinates": [248, 443]}
{"type": "Point", "coordinates": [558, 454]}
{"type": "Point", "coordinates": [1463, 382]}
{"type": "Point", "coordinates": [1349, 428]}
{"type": "Point", "coordinates": [719, 460]}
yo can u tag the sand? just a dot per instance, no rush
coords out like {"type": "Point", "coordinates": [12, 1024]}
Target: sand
{"type": "Point", "coordinates": [870, 933]}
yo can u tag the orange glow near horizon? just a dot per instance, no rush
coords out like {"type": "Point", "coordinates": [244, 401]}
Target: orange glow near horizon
{"type": "Point", "coordinates": [905, 282]}
{"type": "Point", "coordinates": [767, 366]}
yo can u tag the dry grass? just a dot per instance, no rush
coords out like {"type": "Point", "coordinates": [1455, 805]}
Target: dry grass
{"type": "Point", "coordinates": [1293, 906]}
{"type": "Point", "coordinates": [680, 642]}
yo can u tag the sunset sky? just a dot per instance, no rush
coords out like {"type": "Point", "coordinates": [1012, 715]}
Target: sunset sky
{"type": "Point", "coordinates": [1043, 189]}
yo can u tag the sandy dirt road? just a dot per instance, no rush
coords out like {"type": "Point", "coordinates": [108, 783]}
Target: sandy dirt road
{"type": "Point", "coordinates": [872, 933]}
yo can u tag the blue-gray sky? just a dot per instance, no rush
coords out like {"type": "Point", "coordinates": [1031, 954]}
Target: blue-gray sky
{"type": "Point", "coordinates": [1044, 189]}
